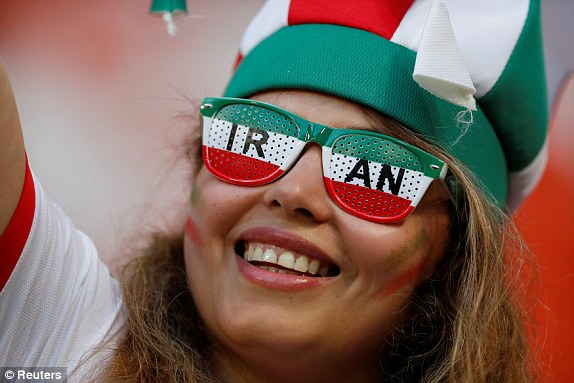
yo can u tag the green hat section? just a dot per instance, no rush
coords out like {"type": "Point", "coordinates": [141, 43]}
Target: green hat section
{"type": "Point", "coordinates": [363, 67]}
{"type": "Point", "coordinates": [517, 104]}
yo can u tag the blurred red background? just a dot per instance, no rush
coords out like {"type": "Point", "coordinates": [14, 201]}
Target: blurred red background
{"type": "Point", "coordinates": [546, 220]}
{"type": "Point", "coordinates": [98, 84]}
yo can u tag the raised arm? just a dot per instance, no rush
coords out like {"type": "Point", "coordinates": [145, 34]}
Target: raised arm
{"type": "Point", "coordinates": [12, 154]}
{"type": "Point", "coordinates": [39, 243]}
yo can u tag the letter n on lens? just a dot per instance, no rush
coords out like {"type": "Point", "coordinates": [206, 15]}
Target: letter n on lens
{"type": "Point", "coordinates": [374, 178]}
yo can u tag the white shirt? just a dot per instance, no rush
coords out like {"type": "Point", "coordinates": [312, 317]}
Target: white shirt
{"type": "Point", "coordinates": [60, 300]}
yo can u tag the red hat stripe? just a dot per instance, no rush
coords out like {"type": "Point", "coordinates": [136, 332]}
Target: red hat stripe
{"type": "Point", "coordinates": [366, 16]}
{"type": "Point", "coordinates": [238, 59]}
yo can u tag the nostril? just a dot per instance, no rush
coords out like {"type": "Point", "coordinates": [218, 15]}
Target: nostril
{"type": "Point", "coordinates": [304, 212]}
{"type": "Point", "coordinates": [300, 192]}
{"type": "Point", "coordinates": [300, 210]}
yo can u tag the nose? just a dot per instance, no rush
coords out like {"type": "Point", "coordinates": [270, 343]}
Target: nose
{"type": "Point", "coordinates": [301, 192]}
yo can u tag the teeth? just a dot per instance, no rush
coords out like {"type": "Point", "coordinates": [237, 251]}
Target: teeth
{"type": "Point", "coordinates": [301, 264]}
{"type": "Point", "coordinates": [269, 256]}
{"type": "Point", "coordinates": [287, 259]}
{"type": "Point", "coordinates": [257, 254]}
{"type": "Point", "coordinates": [290, 263]}
{"type": "Point", "coordinates": [313, 267]}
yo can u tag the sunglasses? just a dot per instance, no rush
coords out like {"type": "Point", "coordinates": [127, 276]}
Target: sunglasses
{"type": "Point", "coordinates": [367, 174]}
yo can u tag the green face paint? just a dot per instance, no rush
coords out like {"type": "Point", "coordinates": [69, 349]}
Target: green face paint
{"type": "Point", "coordinates": [402, 255]}
{"type": "Point", "coordinates": [407, 277]}
{"type": "Point", "coordinates": [404, 252]}
{"type": "Point", "coordinates": [195, 194]}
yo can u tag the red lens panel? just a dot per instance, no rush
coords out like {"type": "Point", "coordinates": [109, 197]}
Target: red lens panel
{"type": "Point", "coordinates": [367, 203]}
{"type": "Point", "coordinates": [238, 168]}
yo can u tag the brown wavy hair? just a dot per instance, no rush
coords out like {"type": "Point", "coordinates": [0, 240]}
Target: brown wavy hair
{"type": "Point", "coordinates": [463, 324]}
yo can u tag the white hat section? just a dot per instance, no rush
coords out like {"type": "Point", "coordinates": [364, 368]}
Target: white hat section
{"type": "Point", "coordinates": [482, 29]}
{"type": "Point", "coordinates": [271, 18]}
{"type": "Point", "coordinates": [439, 67]}
{"type": "Point", "coordinates": [523, 182]}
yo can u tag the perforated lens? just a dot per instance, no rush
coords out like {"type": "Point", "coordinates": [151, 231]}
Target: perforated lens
{"type": "Point", "coordinates": [368, 175]}
{"type": "Point", "coordinates": [249, 144]}
{"type": "Point", "coordinates": [373, 177]}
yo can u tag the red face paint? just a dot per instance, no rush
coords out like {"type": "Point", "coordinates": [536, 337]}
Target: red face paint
{"type": "Point", "coordinates": [406, 278]}
{"type": "Point", "coordinates": [192, 231]}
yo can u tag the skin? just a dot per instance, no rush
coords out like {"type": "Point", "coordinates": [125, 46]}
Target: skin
{"type": "Point", "coordinates": [191, 229]}
{"type": "Point", "coordinates": [332, 332]}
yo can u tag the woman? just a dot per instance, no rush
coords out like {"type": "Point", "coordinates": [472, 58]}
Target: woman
{"type": "Point", "coordinates": [346, 223]}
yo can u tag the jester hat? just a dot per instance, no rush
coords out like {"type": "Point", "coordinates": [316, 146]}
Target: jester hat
{"type": "Point", "coordinates": [468, 76]}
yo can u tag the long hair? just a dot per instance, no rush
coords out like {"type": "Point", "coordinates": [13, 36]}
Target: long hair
{"type": "Point", "coordinates": [465, 323]}
{"type": "Point", "coordinates": [462, 324]}
{"type": "Point", "coordinates": [162, 340]}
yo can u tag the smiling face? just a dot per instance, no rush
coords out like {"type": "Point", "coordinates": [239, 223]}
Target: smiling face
{"type": "Point", "coordinates": [291, 286]}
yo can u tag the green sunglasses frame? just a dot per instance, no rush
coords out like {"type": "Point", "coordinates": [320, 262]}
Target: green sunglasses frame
{"type": "Point", "coordinates": [325, 136]}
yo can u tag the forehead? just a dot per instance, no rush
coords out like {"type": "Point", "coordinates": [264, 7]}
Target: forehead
{"type": "Point", "coordinates": [319, 107]}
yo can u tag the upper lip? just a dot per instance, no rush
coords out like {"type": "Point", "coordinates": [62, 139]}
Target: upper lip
{"type": "Point", "coordinates": [286, 240]}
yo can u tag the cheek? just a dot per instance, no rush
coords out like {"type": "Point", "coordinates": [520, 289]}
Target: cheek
{"type": "Point", "coordinates": [404, 279]}
{"type": "Point", "coordinates": [403, 262]}
{"type": "Point", "coordinates": [195, 197]}
{"type": "Point", "coordinates": [192, 231]}
{"type": "Point", "coordinates": [414, 249]}
{"type": "Point", "coordinates": [416, 258]}
{"type": "Point", "coordinates": [214, 208]}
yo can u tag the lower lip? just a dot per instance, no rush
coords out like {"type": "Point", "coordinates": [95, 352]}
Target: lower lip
{"type": "Point", "coordinates": [276, 281]}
